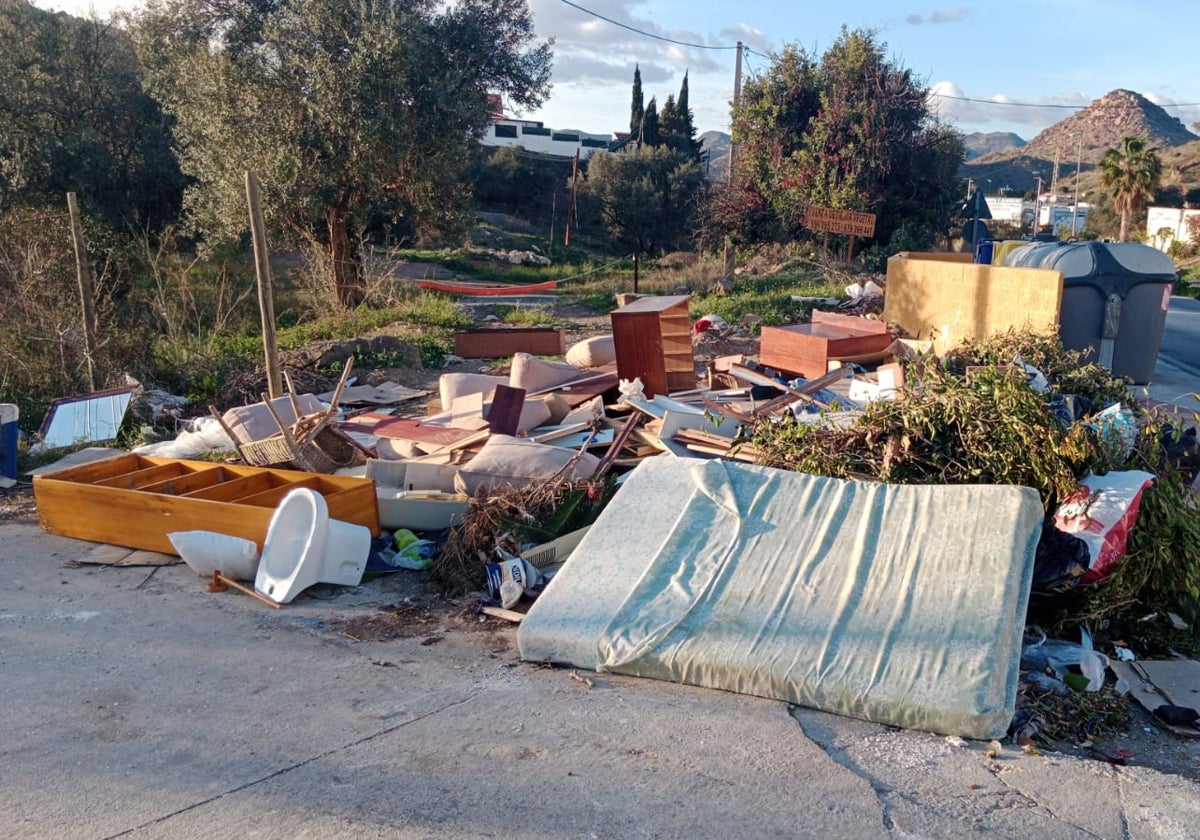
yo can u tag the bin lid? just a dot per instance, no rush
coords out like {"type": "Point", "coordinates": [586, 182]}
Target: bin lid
{"type": "Point", "coordinates": [1084, 259]}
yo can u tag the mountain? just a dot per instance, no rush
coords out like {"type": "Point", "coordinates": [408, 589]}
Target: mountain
{"type": "Point", "coordinates": [716, 151]}
{"type": "Point", "coordinates": [986, 143]}
{"type": "Point", "coordinates": [1083, 137]}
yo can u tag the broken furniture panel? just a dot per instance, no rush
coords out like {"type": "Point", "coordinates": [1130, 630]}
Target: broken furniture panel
{"type": "Point", "coordinates": [653, 339]}
{"type": "Point", "coordinates": [501, 342]}
{"type": "Point", "coordinates": [904, 605]}
{"type": "Point", "coordinates": [807, 349]}
{"type": "Point", "coordinates": [135, 501]}
{"type": "Point", "coordinates": [951, 301]}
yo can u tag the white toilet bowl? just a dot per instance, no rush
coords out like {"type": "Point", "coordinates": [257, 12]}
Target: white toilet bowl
{"type": "Point", "coordinates": [304, 546]}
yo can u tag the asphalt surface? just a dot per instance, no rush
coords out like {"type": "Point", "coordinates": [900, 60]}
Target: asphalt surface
{"type": "Point", "coordinates": [136, 704]}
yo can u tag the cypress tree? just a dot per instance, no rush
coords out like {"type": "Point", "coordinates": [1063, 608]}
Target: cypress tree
{"type": "Point", "coordinates": [637, 110]}
{"type": "Point", "coordinates": [650, 130]}
{"type": "Point", "coordinates": [683, 120]}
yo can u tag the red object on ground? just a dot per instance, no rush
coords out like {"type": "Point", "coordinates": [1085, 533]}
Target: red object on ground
{"type": "Point", "coordinates": [467, 289]}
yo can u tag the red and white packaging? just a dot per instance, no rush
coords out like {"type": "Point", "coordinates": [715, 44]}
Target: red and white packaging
{"type": "Point", "coordinates": [1101, 513]}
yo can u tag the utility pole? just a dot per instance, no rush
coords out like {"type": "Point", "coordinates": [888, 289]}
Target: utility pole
{"type": "Point", "coordinates": [730, 254]}
{"type": "Point", "coordinates": [571, 206]}
{"type": "Point", "coordinates": [1054, 173]}
{"type": "Point", "coordinates": [1075, 206]}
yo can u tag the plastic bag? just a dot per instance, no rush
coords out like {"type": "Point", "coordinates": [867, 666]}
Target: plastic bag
{"type": "Point", "coordinates": [1101, 513]}
{"type": "Point", "coordinates": [1062, 559]}
{"type": "Point", "coordinates": [1059, 656]}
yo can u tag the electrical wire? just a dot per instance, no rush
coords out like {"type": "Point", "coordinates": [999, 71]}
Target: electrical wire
{"type": "Point", "coordinates": [643, 32]}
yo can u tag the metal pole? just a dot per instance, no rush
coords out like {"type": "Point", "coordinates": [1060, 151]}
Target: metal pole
{"type": "Point", "coordinates": [1037, 205]}
{"type": "Point", "coordinates": [730, 261]}
{"type": "Point", "coordinates": [1075, 206]}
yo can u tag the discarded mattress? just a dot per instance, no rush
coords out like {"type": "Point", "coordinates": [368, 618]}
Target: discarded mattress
{"type": "Point", "coordinates": [903, 605]}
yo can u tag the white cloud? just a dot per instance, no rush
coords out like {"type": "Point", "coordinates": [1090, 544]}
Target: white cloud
{"type": "Point", "coordinates": [950, 102]}
{"type": "Point", "coordinates": [957, 14]}
{"type": "Point", "coordinates": [1187, 113]}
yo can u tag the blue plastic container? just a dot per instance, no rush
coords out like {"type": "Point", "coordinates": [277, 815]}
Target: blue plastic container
{"type": "Point", "coordinates": [8, 440]}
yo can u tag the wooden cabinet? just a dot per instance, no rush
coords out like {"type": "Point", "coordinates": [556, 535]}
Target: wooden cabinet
{"type": "Point", "coordinates": [135, 501]}
{"type": "Point", "coordinates": [807, 349]}
{"type": "Point", "coordinates": [653, 341]}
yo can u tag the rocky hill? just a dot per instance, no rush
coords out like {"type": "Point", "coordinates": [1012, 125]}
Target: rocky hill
{"type": "Point", "coordinates": [986, 143]}
{"type": "Point", "coordinates": [1084, 136]}
{"type": "Point", "coordinates": [716, 146]}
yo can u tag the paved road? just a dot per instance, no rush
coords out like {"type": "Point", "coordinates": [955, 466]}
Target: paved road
{"type": "Point", "coordinates": [1177, 374]}
{"type": "Point", "coordinates": [135, 704]}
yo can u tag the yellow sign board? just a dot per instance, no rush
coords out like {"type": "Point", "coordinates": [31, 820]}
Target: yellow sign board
{"type": "Point", "coordinates": [829, 220]}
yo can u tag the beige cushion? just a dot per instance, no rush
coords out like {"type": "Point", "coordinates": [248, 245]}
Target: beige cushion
{"type": "Point", "coordinates": [592, 352]}
{"type": "Point", "coordinates": [534, 374]}
{"type": "Point", "coordinates": [452, 386]}
{"type": "Point", "coordinates": [511, 462]}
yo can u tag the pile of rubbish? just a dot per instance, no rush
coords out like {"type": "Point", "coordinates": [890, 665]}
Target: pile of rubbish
{"type": "Point", "coordinates": [890, 512]}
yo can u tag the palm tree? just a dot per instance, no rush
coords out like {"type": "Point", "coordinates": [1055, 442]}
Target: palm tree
{"type": "Point", "coordinates": [1132, 173]}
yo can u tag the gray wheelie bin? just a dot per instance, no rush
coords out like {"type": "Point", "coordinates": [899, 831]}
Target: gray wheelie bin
{"type": "Point", "coordinates": [1114, 303]}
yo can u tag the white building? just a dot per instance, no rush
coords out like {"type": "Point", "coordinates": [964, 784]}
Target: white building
{"type": "Point", "coordinates": [1165, 225]}
{"type": "Point", "coordinates": [535, 137]}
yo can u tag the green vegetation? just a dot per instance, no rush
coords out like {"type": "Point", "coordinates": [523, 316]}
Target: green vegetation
{"type": "Point", "coordinates": [348, 112]}
{"type": "Point", "coordinates": [850, 129]}
{"type": "Point", "coordinates": [1132, 174]}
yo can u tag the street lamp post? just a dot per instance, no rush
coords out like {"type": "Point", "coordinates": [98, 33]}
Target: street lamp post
{"type": "Point", "coordinates": [1037, 205]}
{"type": "Point", "coordinates": [1075, 206]}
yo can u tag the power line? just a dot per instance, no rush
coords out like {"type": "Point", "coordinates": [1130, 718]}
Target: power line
{"type": "Point", "coordinates": [1039, 105]}
{"type": "Point", "coordinates": [643, 32]}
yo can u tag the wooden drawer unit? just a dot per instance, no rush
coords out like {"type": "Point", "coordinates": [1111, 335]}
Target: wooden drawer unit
{"type": "Point", "coordinates": [500, 342]}
{"type": "Point", "coordinates": [653, 341]}
{"type": "Point", "coordinates": [135, 501]}
{"type": "Point", "coordinates": [807, 349]}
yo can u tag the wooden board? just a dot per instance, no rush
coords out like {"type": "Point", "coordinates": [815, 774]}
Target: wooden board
{"type": "Point", "coordinates": [498, 343]}
{"type": "Point", "coordinates": [106, 501]}
{"type": "Point", "coordinates": [408, 428]}
{"type": "Point", "coordinates": [807, 349]}
{"type": "Point", "coordinates": [949, 301]}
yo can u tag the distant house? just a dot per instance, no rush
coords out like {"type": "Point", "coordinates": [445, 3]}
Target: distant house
{"type": "Point", "coordinates": [1165, 225]}
{"type": "Point", "coordinates": [535, 137]}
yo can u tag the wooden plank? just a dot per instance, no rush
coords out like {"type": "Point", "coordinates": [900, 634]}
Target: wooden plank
{"type": "Point", "coordinates": [190, 481]}
{"type": "Point", "coordinates": [237, 488]}
{"type": "Point", "coordinates": [272, 497]}
{"type": "Point", "coordinates": [499, 343]}
{"type": "Point", "coordinates": [117, 555]}
{"type": "Point", "coordinates": [141, 478]}
{"type": "Point", "coordinates": [504, 417]}
{"type": "Point", "coordinates": [411, 429]}
{"type": "Point", "coordinates": [949, 302]}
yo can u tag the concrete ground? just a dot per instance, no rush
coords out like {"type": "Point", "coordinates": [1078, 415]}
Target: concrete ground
{"type": "Point", "coordinates": [136, 704]}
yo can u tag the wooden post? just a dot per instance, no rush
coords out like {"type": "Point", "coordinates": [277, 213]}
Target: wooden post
{"type": "Point", "coordinates": [636, 263]}
{"type": "Point", "coordinates": [850, 253]}
{"type": "Point", "coordinates": [571, 206]}
{"type": "Point", "coordinates": [83, 270]}
{"type": "Point", "coordinates": [266, 302]}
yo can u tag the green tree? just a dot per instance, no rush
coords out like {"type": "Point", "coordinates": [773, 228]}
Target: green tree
{"type": "Point", "coordinates": [850, 130]}
{"type": "Point", "coordinates": [651, 130]}
{"type": "Point", "coordinates": [74, 118]}
{"type": "Point", "coordinates": [345, 108]}
{"type": "Point", "coordinates": [1132, 174]}
{"type": "Point", "coordinates": [685, 121]}
{"type": "Point", "coordinates": [645, 197]}
{"type": "Point", "coordinates": [637, 108]}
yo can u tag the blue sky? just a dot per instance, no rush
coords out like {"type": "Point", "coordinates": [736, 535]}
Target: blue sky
{"type": "Point", "coordinates": [1063, 53]}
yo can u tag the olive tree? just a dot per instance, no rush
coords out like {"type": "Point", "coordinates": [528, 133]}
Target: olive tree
{"type": "Point", "coordinates": [348, 110]}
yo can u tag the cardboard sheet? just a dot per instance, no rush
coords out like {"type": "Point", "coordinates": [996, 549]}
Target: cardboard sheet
{"type": "Point", "coordinates": [901, 605]}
